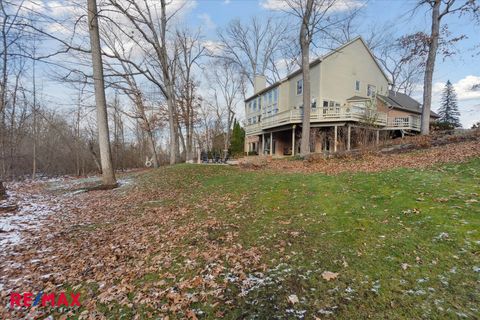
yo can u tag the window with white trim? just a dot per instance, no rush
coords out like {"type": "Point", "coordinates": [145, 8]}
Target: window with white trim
{"type": "Point", "coordinates": [299, 86]}
{"type": "Point", "coordinates": [371, 90]}
{"type": "Point", "coordinates": [357, 85]}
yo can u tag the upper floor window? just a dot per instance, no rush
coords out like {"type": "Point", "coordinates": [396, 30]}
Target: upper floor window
{"type": "Point", "coordinates": [275, 95]}
{"type": "Point", "coordinates": [300, 86]}
{"type": "Point", "coordinates": [371, 90]}
{"type": "Point", "coordinates": [357, 85]}
{"type": "Point", "coordinates": [314, 103]}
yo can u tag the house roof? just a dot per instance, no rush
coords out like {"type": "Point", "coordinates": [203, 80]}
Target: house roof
{"type": "Point", "coordinates": [357, 98]}
{"type": "Point", "coordinates": [317, 61]}
{"type": "Point", "coordinates": [401, 101]}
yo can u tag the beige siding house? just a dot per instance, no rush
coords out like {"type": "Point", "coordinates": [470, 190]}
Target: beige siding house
{"type": "Point", "coordinates": [349, 90]}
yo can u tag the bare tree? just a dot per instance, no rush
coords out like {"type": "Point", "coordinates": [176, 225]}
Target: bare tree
{"type": "Point", "coordinates": [439, 10]}
{"type": "Point", "coordinates": [150, 24]}
{"type": "Point", "coordinates": [12, 34]}
{"type": "Point", "coordinates": [405, 72]}
{"type": "Point", "coordinates": [125, 79]}
{"type": "Point", "coordinates": [191, 51]}
{"type": "Point", "coordinates": [253, 47]}
{"type": "Point", "coordinates": [226, 84]}
{"type": "Point", "coordinates": [314, 18]}
{"type": "Point", "coordinates": [108, 174]}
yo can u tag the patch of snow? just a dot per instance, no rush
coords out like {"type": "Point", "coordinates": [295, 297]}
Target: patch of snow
{"type": "Point", "coordinates": [442, 236]}
{"type": "Point", "coordinates": [376, 286]}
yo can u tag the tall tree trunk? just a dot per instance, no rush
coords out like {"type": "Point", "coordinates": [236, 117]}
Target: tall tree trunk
{"type": "Point", "coordinates": [91, 148]}
{"type": "Point", "coordinates": [3, 99]}
{"type": "Point", "coordinates": [34, 124]}
{"type": "Point", "coordinates": [188, 145]}
{"type": "Point", "coordinates": [108, 174]}
{"type": "Point", "coordinates": [429, 68]}
{"type": "Point", "coordinates": [180, 143]}
{"type": "Point", "coordinates": [3, 192]}
{"type": "Point", "coordinates": [230, 117]}
{"type": "Point", "coordinates": [305, 39]}
{"type": "Point", "coordinates": [153, 149]}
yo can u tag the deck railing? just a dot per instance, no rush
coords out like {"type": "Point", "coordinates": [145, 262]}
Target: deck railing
{"type": "Point", "coordinates": [320, 115]}
{"type": "Point", "coordinates": [337, 114]}
{"type": "Point", "coordinates": [409, 123]}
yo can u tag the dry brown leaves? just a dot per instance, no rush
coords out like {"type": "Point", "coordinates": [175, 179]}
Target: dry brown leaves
{"type": "Point", "coordinates": [374, 162]}
{"type": "Point", "coordinates": [110, 246]}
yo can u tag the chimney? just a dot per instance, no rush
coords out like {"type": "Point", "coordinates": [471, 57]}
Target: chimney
{"type": "Point", "coordinates": [259, 83]}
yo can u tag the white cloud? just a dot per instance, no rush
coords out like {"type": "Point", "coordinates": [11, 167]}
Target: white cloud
{"type": "Point", "coordinates": [468, 95]}
{"type": "Point", "coordinates": [207, 21]}
{"type": "Point", "coordinates": [227, 1]}
{"type": "Point", "coordinates": [213, 47]}
{"type": "Point", "coordinates": [465, 88]}
{"type": "Point", "coordinates": [338, 6]}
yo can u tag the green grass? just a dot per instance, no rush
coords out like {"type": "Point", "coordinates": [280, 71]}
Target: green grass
{"type": "Point", "coordinates": [363, 226]}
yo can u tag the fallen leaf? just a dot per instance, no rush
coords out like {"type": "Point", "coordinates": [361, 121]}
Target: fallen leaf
{"type": "Point", "coordinates": [293, 299]}
{"type": "Point", "coordinates": [328, 275]}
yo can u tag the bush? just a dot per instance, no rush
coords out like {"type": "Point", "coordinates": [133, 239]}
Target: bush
{"type": "Point", "coordinates": [254, 163]}
{"type": "Point", "coordinates": [440, 126]}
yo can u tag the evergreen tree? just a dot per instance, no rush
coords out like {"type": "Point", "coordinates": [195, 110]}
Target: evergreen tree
{"type": "Point", "coordinates": [448, 111]}
{"type": "Point", "coordinates": [237, 141]}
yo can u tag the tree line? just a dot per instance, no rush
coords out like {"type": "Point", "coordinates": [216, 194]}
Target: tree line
{"type": "Point", "coordinates": [142, 88]}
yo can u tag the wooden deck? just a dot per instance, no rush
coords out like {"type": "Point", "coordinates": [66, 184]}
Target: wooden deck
{"type": "Point", "coordinates": [334, 115]}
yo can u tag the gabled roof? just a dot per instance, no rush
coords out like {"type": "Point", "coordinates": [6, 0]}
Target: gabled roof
{"type": "Point", "coordinates": [357, 98]}
{"type": "Point", "coordinates": [317, 61]}
{"type": "Point", "coordinates": [401, 101]}
{"type": "Point", "coordinates": [366, 47]}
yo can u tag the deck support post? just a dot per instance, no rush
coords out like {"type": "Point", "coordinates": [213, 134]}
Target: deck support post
{"type": "Point", "coordinates": [293, 140]}
{"type": "Point", "coordinates": [271, 143]}
{"type": "Point", "coordinates": [263, 144]}
{"type": "Point", "coordinates": [335, 139]}
{"type": "Point", "coordinates": [349, 133]}
{"type": "Point", "coordinates": [378, 137]}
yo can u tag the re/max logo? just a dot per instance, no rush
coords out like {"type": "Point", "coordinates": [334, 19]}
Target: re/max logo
{"type": "Point", "coordinates": [43, 299]}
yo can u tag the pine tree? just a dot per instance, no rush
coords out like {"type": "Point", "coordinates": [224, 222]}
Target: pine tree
{"type": "Point", "coordinates": [448, 111]}
{"type": "Point", "coordinates": [237, 141]}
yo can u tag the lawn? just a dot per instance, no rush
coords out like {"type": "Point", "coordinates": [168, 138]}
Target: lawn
{"type": "Point", "coordinates": [405, 243]}
{"type": "Point", "coordinates": [208, 241]}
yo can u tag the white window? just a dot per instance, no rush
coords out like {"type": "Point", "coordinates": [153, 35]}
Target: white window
{"type": "Point", "coordinates": [299, 86]}
{"type": "Point", "coordinates": [357, 85]}
{"type": "Point", "coordinates": [371, 90]}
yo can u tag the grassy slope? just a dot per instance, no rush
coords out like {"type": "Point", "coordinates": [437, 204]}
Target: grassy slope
{"type": "Point", "coordinates": [363, 226]}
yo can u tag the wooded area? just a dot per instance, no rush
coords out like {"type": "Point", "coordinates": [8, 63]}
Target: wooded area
{"type": "Point", "coordinates": [169, 92]}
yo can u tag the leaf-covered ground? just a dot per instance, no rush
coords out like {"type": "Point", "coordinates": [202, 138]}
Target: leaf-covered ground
{"type": "Point", "coordinates": [373, 161]}
{"type": "Point", "coordinates": [208, 241]}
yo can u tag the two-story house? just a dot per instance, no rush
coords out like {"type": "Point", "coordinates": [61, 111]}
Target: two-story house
{"type": "Point", "coordinates": [348, 89]}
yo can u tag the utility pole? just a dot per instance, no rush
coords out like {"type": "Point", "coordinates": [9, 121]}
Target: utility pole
{"type": "Point", "coordinates": [108, 174]}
